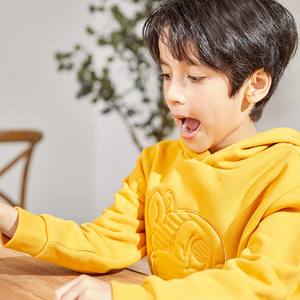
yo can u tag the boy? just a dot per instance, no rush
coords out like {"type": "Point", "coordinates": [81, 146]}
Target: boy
{"type": "Point", "coordinates": [217, 211]}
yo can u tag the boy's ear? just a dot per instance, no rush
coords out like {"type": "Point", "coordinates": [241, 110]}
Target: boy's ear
{"type": "Point", "coordinates": [258, 86]}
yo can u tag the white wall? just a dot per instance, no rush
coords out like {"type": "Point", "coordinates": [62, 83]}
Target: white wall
{"type": "Point", "coordinates": [84, 156]}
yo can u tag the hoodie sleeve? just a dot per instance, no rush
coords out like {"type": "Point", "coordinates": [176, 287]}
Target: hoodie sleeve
{"type": "Point", "coordinates": [114, 240]}
{"type": "Point", "coordinates": [268, 268]}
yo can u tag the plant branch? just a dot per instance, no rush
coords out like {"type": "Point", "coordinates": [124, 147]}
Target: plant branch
{"type": "Point", "coordinates": [128, 125]}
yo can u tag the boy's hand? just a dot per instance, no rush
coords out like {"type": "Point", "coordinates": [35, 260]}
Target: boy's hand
{"type": "Point", "coordinates": [84, 288]}
{"type": "Point", "coordinates": [9, 218]}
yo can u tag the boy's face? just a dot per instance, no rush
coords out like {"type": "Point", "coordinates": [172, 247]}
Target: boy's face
{"type": "Point", "coordinates": [197, 97]}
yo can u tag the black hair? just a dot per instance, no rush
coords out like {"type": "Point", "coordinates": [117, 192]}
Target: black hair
{"type": "Point", "coordinates": [236, 37]}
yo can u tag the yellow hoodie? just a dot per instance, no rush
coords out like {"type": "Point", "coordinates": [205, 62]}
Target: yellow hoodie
{"type": "Point", "coordinates": [214, 226]}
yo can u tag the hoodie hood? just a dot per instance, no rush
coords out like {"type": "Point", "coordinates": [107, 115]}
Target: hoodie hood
{"type": "Point", "coordinates": [245, 149]}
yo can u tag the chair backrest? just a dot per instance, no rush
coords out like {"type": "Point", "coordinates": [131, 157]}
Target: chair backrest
{"type": "Point", "coordinates": [31, 137]}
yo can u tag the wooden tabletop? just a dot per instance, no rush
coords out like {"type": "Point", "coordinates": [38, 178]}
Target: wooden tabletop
{"type": "Point", "coordinates": [23, 277]}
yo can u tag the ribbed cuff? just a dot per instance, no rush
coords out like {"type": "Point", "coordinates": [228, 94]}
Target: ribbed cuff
{"type": "Point", "coordinates": [30, 236]}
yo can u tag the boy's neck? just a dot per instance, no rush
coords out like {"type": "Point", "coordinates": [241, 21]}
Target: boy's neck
{"type": "Point", "coordinates": [236, 136]}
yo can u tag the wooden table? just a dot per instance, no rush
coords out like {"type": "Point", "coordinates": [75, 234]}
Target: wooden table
{"type": "Point", "coordinates": [23, 277]}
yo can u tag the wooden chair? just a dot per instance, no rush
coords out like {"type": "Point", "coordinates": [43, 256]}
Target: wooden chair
{"type": "Point", "coordinates": [31, 137]}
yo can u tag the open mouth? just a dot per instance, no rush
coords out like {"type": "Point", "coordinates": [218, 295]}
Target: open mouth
{"type": "Point", "coordinates": [189, 125]}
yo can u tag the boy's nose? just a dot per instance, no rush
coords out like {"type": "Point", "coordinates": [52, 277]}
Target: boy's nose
{"type": "Point", "coordinates": [174, 93]}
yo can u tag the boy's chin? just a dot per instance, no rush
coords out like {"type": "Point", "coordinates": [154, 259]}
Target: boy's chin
{"type": "Point", "coordinates": [198, 148]}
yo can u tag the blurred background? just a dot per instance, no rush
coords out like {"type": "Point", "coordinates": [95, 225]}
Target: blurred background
{"type": "Point", "coordinates": [84, 156]}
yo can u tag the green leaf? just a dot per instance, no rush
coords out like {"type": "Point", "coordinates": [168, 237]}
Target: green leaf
{"type": "Point", "coordinates": [86, 89]}
{"type": "Point", "coordinates": [68, 66]}
{"type": "Point", "coordinates": [106, 110]}
{"type": "Point", "coordinates": [60, 56]}
{"type": "Point", "coordinates": [139, 16]}
{"type": "Point", "coordinates": [139, 85]}
{"type": "Point", "coordinates": [94, 76]}
{"type": "Point", "coordinates": [116, 39]}
{"type": "Point", "coordinates": [95, 8]}
{"type": "Point", "coordinates": [102, 42]}
{"type": "Point", "coordinates": [118, 15]}
{"type": "Point", "coordinates": [131, 112]}
{"type": "Point", "coordinates": [87, 62]}
{"type": "Point", "coordinates": [89, 30]}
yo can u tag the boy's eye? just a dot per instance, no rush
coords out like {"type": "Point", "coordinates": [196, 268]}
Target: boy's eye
{"type": "Point", "coordinates": [195, 79]}
{"type": "Point", "coordinates": [166, 76]}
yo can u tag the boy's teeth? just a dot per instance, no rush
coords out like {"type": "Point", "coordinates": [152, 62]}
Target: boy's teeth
{"type": "Point", "coordinates": [186, 128]}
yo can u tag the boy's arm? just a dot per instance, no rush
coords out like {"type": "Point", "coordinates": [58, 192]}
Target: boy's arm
{"type": "Point", "coordinates": [115, 240]}
{"type": "Point", "coordinates": [9, 218]}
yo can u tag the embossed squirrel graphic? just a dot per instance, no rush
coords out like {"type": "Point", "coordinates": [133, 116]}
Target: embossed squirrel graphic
{"type": "Point", "coordinates": [183, 242]}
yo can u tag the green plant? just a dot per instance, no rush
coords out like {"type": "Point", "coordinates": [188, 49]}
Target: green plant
{"type": "Point", "coordinates": [139, 100]}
